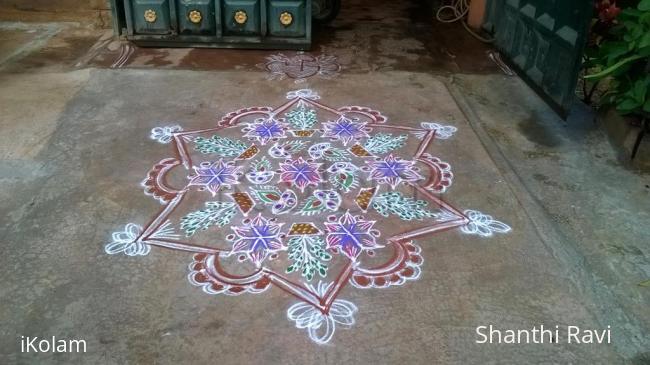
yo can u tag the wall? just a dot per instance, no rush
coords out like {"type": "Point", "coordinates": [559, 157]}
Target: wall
{"type": "Point", "coordinates": [87, 12]}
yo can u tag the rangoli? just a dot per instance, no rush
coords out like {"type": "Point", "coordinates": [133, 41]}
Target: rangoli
{"type": "Point", "coordinates": [303, 197]}
{"type": "Point", "coordinates": [300, 67]}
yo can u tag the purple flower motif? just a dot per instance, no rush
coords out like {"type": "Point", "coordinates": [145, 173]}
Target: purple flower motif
{"type": "Point", "coordinates": [257, 238]}
{"type": "Point", "coordinates": [393, 170]}
{"type": "Point", "coordinates": [213, 176]}
{"type": "Point", "coordinates": [263, 130]}
{"type": "Point", "coordinates": [345, 130]}
{"type": "Point", "coordinates": [351, 234]}
{"type": "Point", "coordinates": [300, 173]}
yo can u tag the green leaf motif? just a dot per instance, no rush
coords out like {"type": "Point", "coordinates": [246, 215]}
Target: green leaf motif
{"type": "Point", "coordinates": [302, 117]}
{"type": "Point", "coordinates": [312, 206]}
{"type": "Point", "coordinates": [334, 154]}
{"type": "Point", "coordinates": [406, 208]}
{"type": "Point", "coordinates": [222, 146]}
{"type": "Point", "coordinates": [384, 142]}
{"type": "Point", "coordinates": [307, 254]}
{"type": "Point", "coordinates": [345, 181]}
{"type": "Point", "coordinates": [294, 146]}
{"type": "Point", "coordinates": [267, 194]}
{"type": "Point", "coordinates": [215, 213]}
{"type": "Point", "coordinates": [261, 165]}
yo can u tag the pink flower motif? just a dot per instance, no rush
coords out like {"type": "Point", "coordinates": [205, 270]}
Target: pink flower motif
{"type": "Point", "coordinates": [213, 176]}
{"type": "Point", "coordinates": [257, 238]}
{"type": "Point", "coordinates": [393, 170]}
{"type": "Point", "coordinates": [300, 173]}
{"type": "Point", "coordinates": [351, 234]}
{"type": "Point", "coordinates": [345, 130]}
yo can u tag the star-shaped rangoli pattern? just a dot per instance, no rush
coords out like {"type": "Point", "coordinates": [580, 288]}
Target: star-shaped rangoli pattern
{"type": "Point", "coordinates": [212, 176]}
{"type": "Point", "coordinates": [345, 130]}
{"type": "Point", "coordinates": [392, 171]}
{"type": "Point", "coordinates": [264, 130]}
{"type": "Point", "coordinates": [300, 173]}
{"type": "Point", "coordinates": [298, 193]}
{"type": "Point", "coordinates": [257, 238]}
{"type": "Point", "coordinates": [351, 234]}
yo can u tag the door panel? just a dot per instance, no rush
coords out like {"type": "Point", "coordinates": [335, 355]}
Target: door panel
{"type": "Point", "coordinates": [196, 17]}
{"type": "Point", "coordinates": [241, 17]}
{"type": "Point", "coordinates": [151, 16]}
{"type": "Point", "coordinates": [286, 18]}
{"type": "Point", "coordinates": [544, 40]}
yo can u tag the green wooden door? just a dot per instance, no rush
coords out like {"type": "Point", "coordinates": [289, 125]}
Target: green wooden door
{"type": "Point", "coordinates": [150, 16]}
{"type": "Point", "coordinates": [544, 40]}
{"type": "Point", "coordinates": [287, 18]}
{"type": "Point", "coordinates": [242, 17]}
{"type": "Point", "coordinates": [196, 17]}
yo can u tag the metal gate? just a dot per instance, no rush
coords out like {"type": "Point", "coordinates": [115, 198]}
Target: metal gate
{"type": "Point", "coordinates": [544, 41]}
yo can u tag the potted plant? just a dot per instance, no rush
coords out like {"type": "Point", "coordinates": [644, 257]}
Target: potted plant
{"type": "Point", "coordinates": [621, 58]}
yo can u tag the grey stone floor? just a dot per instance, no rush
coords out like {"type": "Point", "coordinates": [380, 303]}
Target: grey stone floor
{"type": "Point", "coordinates": [74, 147]}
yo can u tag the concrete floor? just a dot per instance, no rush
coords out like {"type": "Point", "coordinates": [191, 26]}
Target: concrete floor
{"type": "Point", "coordinates": [74, 147]}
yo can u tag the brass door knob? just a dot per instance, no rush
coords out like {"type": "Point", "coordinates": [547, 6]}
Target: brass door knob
{"type": "Point", "coordinates": [150, 15]}
{"type": "Point", "coordinates": [195, 16]}
{"type": "Point", "coordinates": [286, 18]}
{"type": "Point", "coordinates": [240, 17]}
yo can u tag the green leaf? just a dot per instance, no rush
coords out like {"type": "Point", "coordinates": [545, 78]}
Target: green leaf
{"type": "Point", "coordinates": [384, 142]}
{"type": "Point", "coordinates": [645, 18]}
{"type": "Point", "coordinates": [614, 67]}
{"type": "Point", "coordinates": [301, 117]}
{"type": "Point", "coordinates": [628, 105]}
{"type": "Point", "coordinates": [307, 254]}
{"type": "Point", "coordinates": [645, 40]}
{"type": "Point", "coordinates": [215, 213]}
{"type": "Point", "coordinates": [629, 14]}
{"type": "Point", "coordinates": [612, 51]}
{"type": "Point", "coordinates": [644, 5]}
{"type": "Point", "coordinates": [405, 208]}
{"type": "Point", "coordinates": [222, 146]}
{"type": "Point", "coordinates": [640, 90]}
{"type": "Point", "coordinates": [644, 52]}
